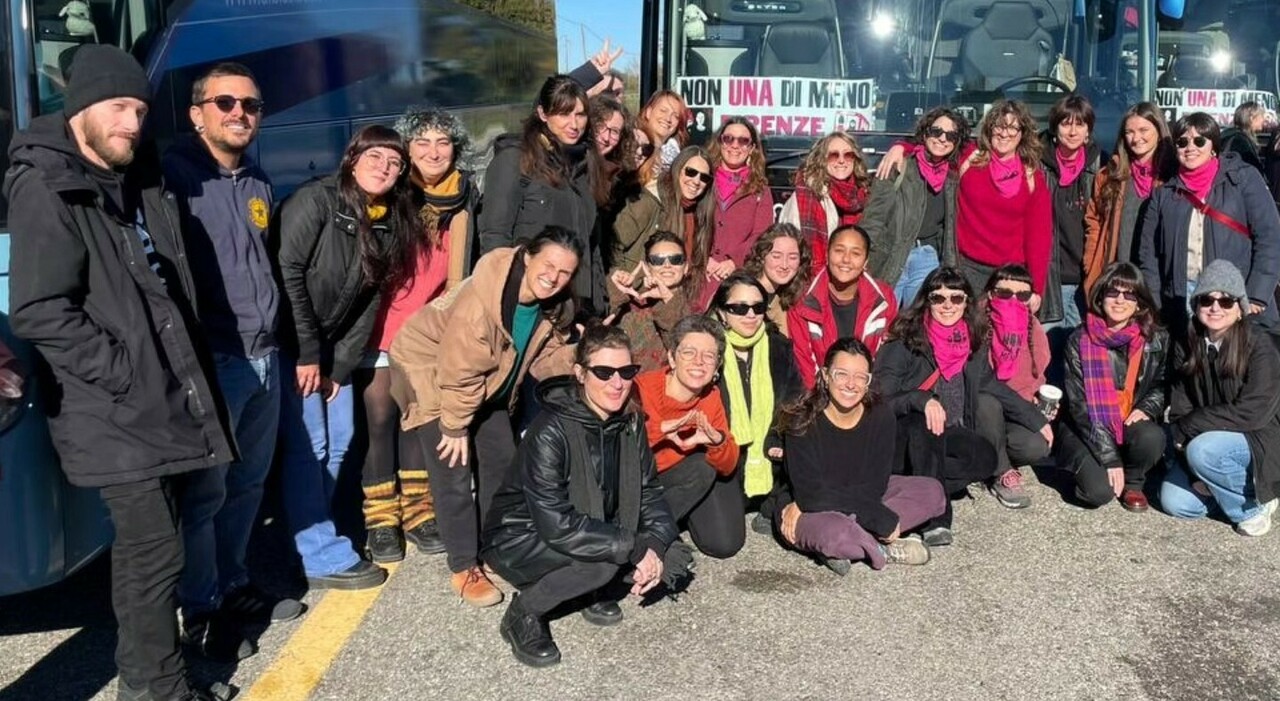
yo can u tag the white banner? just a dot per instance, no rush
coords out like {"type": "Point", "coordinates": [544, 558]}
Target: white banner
{"type": "Point", "coordinates": [808, 107]}
{"type": "Point", "coordinates": [1221, 104]}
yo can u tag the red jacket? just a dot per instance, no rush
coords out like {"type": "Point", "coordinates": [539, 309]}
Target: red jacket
{"type": "Point", "coordinates": [995, 230]}
{"type": "Point", "coordinates": [813, 324]}
{"type": "Point", "coordinates": [739, 224]}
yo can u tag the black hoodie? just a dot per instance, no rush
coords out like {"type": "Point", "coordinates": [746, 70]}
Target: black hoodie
{"type": "Point", "coordinates": [129, 399]}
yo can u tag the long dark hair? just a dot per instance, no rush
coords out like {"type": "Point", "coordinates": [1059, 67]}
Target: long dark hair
{"type": "Point", "coordinates": [560, 309]}
{"type": "Point", "coordinates": [796, 417]}
{"type": "Point", "coordinates": [541, 155]}
{"type": "Point", "coordinates": [789, 293]}
{"type": "Point", "coordinates": [1013, 272]}
{"type": "Point", "coordinates": [615, 167]}
{"type": "Point", "coordinates": [704, 214]}
{"type": "Point", "coordinates": [1123, 275]}
{"type": "Point", "coordinates": [908, 327]}
{"type": "Point", "coordinates": [1162, 161]}
{"type": "Point", "coordinates": [390, 260]}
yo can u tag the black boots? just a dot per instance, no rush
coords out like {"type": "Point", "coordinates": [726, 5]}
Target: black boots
{"type": "Point", "coordinates": [385, 544]}
{"type": "Point", "coordinates": [603, 613]}
{"type": "Point", "coordinates": [529, 636]}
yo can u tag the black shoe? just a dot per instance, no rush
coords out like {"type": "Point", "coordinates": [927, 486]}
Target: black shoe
{"type": "Point", "coordinates": [215, 637]}
{"type": "Point", "coordinates": [761, 524]}
{"type": "Point", "coordinates": [249, 604]}
{"type": "Point", "coordinates": [362, 575]}
{"type": "Point", "coordinates": [385, 544]}
{"type": "Point", "coordinates": [529, 636]}
{"type": "Point", "coordinates": [835, 564]}
{"type": "Point", "coordinates": [603, 613]}
{"type": "Point", "coordinates": [426, 537]}
{"type": "Point", "coordinates": [218, 692]}
{"type": "Point", "coordinates": [938, 536]}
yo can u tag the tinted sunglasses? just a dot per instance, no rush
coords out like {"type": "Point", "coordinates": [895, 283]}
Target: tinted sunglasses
{"type": "Point", "coordinates": [1126, 295]}
{"type": "Point", "coordinates": [940, 133]}
{"type": "Point", "coordinates": [1184, 141]}
{"type": "Point", "coordinates": [741, 309]}
{"type": "Point", "coordinates": [226, 103]}
{"type": "Point", "coordinates": [1225, 303]}
{"type": "Point", "coordinates": [674, 259]}
{"type": "Point", "coordinates": [604, 373]}
{"type": "Point", "coordinates": [731, 140]}
{"type": "Point", "coordinates": [690, 172]}
{"type": "Point", "coordinates": [1006, 293]}
{"type": "Point", "coordinates": [956, 298]}
{"type": "Point", "coordinates": [841, 156]}
{"type": "Point", "coordinates": [646, 150]}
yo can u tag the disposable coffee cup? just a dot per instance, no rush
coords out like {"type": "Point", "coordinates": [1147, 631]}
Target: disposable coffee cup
{"type": "Point", "coordinates": [1047, 399]}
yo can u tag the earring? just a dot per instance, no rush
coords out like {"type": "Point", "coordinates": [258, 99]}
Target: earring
{"type": "Point", "coordinates": [199, 128]}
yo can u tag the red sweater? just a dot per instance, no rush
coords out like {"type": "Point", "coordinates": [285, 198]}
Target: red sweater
{"type": "Point", "coordinates": [994, 230]}
{"type": "Point", "coordinates": [426, 284]}
{"type": "Point", "coordinates": [658, 407]}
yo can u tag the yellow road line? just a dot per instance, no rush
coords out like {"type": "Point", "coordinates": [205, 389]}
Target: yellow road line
{"type": "Point", "coordinates": [302, 663]}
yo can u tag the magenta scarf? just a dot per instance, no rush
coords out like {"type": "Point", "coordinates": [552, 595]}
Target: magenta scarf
{"type": "Point", "coordinates": [1108, 407]}
{"type": "Point", "coordinates": [1069, 167]}
{"type": "Point", "coordinates": [934, 173]}
{"type": "Point", "coordinates": [1144, 176]}
{"type": "Point", "coordinates": [1010, 322]}
{"type": "Point", "coordinates": [1200, 180]}
{"type": "Point", "coordinates": [950, 345]}
{"type": "Point", "coordinates": [728, 181]}
{"type": "Point", "coordinates": [1007, 174]}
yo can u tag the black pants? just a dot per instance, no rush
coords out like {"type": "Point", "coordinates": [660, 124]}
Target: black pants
{"type": "Point", "coordinates": [712, 506]}
{"type": "Point", "coordinates": [566, 583]}
{"type": "Point", "coordinates": [1014, 444]}
{"type": "Point", "coordinates": [146, 561]}
{"type": "Point", "coordinates": [957, 458]}
{"type": "Point", "coordinates": [489, 459]}
{"type": "Point", "coordinates": [1143, 446]}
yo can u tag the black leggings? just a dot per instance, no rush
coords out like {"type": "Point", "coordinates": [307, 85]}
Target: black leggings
{"type": "Point", "coordinates": [712, 506]}
{"type": "Point", "coordinates": [1143, 447]}
{"type": "Point", "coordinates": [390, 453]}
{"type": "Point", "coordinates": [957, 458]}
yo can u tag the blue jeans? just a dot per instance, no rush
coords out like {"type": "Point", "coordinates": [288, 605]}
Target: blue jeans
{"type": "Point", "coordinates": [921, 261]}
{"type": "Point", "coordinates": [219, 505]}
{"type": "Point", "coordinates": [1221, 460]}
{"type": "Point", "coordinates": [1059, 331]}
{"type": "Point", "coordinates": [316, 436]}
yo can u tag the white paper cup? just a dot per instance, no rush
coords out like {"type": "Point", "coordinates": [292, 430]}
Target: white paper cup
{"type": "Point", "coordinates": [1047, 399]}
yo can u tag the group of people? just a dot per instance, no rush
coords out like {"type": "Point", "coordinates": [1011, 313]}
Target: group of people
{"type": "Point", "coordinates": [616, 344]}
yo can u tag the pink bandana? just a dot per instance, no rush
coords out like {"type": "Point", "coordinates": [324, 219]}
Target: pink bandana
{"type": "Point", "coordinates": [1069, 167]}
{"type": "Point", "coordinates": [950, 345]}
{"type": "Point", "coordinates": [934, 173]}
{"type": "Point", "coordinates": [1007, 174]}
{"type": "Point", "coordinates": [1144, 176]}
{"type": "Point", "coordinates": [1200, 180]}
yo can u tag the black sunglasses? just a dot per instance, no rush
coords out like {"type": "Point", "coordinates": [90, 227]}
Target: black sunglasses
{"type": "Point", "coordinates": [1199, 141]}
{"type": "Point", "coordinates": [691, 172]}
{"type": "Point", "coordinates": [956, 298]}
{"type": "Point", "coordinates": [1126, 295]}
{"type": "Point", "coordinates": [646, 150]}
{"type": "Point", "coordinates": [1206, 301]}
{"type": "Point", "coordinates": [226, 103]}
{"type": "Point", "coordinates": [605, 372]}
{"type": "Point", "coordinates": [741, 308]}
{"type": "Point", "coordinates": [940, 133]}
{"type": "Point", "coordinates": [674, 259]}
{"type": "Point", "coordinates": [1006, 293]}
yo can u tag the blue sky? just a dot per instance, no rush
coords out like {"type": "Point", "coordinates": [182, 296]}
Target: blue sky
{"type": "Point", "coordinates": [617, 20]}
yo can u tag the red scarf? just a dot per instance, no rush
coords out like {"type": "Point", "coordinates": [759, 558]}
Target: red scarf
{"type": "Point", "coordinates": [1107, 407]}
{"type": "Point", "coordinates": [849, 200]}
{"type": "Point", "coordinates": [1069, 167]}
{"type": "Point", "coordinates": [950, 345]}
{"type": "Point", "coordinates": [933, 172]}
{"type": "Point", "coordinates": [1144, 177]}
{"type": "Point", "coordinates": [1010, 322]}
{"type": "Point", "coordinates": [1007, 174]}
{"type": "Point", "coordinates": [813, 224]}
{"type": "Point", "coordinates": [1200, 180]}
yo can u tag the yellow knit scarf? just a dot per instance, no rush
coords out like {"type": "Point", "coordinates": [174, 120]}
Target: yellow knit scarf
{"type": "Point", "coordinates": [751, 427]}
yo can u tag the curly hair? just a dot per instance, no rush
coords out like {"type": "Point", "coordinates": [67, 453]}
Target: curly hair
{"type": "Point", "coordinates": [789, 293]}
{"type": "Point", "coordinates": [756, 180]}
{"type": "Point", "coordinates": [933, 115]}
{"type": "Point", "coordinates": [908, 327]}
{"type": "Point", "coordinates": [812, 172]}
{"type": "Point", "coordinates": [1029, 146]}
{"type": "Point", "coordinates": [417, 121]}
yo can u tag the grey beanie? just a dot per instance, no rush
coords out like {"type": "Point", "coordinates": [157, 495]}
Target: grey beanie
{"type": "Point", "coordinates": [1223, 276]}
{"type": "Point", "coordinates": [103, 72]}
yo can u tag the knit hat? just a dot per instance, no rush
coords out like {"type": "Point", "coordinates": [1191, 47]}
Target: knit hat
{"type": "Point", "coordinates": [103, 72]}
{"type": "Point", "coordinates": [1224, 277]}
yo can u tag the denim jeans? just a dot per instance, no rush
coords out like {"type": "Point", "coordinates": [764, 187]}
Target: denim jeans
{"type": "Point", "coordinates": [219, 505]}
{"type": "Point", "coordinates": [1058, 331]}
{"type": "Point", "coordinates": [1221, 460]}
{"type": "Point", "coordinates": [921, 261]}
{"type": "Point", "coordinates": [316, 436]}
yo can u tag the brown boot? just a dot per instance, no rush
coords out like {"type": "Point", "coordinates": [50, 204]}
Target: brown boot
{"type": "Point", "coordinates": [475, 588]}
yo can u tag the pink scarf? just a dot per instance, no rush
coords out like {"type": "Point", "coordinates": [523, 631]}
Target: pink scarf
{"type": "Point", "coordinates": [1010, 321]}
{"type": "Point", "coordinates": [934, 173]}
{"type": "Point", "coordinates": [1069, 167]}
{"type": "Point", "coordinates": [1007, 174]}
{"type": "Point", "coordinates": [728, 181]}
{"type": "Point", "coordinates": [1200, 180]}
{"type": "Point", "coordinates": [950, 345]}
{"type": "Point", "coordinates": [1144, 176]}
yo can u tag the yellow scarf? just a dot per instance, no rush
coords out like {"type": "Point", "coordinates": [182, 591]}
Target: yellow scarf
{"type": "Point", "coordinates": [449, 186]}
{"type": "Point", "coordinates": [376, 211]}
{"type": "Point", "coordinates": [750, 428]}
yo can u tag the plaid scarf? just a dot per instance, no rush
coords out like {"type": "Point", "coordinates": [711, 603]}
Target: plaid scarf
{"type": "Point", "coordinates": [813, 224]}
{"type": "Point", "coordinates": [1107, 406]}
{"type": "Point", "coordinates": [849, 200]}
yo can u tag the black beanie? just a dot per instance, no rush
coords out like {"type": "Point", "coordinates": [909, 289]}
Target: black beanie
{"type": "Point", "coordinates": [103, 72]}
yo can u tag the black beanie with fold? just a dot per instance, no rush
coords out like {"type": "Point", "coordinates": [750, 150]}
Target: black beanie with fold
{"type": "Point", "coordinates": [103, 72]}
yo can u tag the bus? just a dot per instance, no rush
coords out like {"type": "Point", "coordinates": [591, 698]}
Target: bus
{"type": "Point", "coordinates": [325, 68]}
{"type": "Point", "coordinates": [799, 69]}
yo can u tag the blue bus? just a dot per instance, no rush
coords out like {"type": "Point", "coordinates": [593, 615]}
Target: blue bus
{"type": "Point", "coordinates": [326, 68]}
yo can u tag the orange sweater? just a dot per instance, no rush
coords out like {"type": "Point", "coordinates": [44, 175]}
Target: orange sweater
{"type": "Point", "coordinates": [658, 407]}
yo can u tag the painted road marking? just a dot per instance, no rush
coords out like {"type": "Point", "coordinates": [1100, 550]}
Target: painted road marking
{"type": "Point", "coordinates": [311, 650]}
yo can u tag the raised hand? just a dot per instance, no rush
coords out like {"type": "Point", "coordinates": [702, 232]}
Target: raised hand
{"type": "Point", "coordinates": [603, 60]}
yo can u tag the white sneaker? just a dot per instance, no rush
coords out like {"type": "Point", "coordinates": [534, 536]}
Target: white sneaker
{"type": "Point", "coordinates": [1260, 524]}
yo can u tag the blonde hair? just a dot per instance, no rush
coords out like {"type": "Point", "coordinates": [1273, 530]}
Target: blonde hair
{"type": "Point", "coordinates": [812, 172]}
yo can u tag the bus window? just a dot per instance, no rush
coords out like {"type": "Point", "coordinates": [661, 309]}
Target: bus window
{"type": "Point", "coordinates": [61, 26]}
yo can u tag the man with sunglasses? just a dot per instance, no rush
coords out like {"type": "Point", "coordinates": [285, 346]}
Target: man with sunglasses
{"type": "Point", "coordinates": [224, 199]}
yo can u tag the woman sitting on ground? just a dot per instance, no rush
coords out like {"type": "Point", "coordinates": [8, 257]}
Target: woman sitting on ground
{"type": "Point", "coordinates": [1115, 392]}
{"type": "Point", "coordinates": [583, 506]}
{"type": "Point", "coordinates": [652, 304]}
{"type": "Point", "coordinates": [781, 260]}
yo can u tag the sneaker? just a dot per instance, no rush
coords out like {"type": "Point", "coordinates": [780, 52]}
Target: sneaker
{"type": "Point", "coordinates": [528, 634]}
{"type": "Point", "coordinates": [935, 537]}
{"type": "Point", "coordinates": [249, 604]}
{"type": "Point", "coordinates": [426, 538]}
{"type": "Point", "coordinates": [1009, 492]}
{"type": "Point", "coordinates": [385, 544]}
{"type": "Point", "coordinates": [362, 575]}
{"type": "Point", "coordinates": [214, 637]}
{"type": "Point", "coordinates": [907, 550]}
{"type": "Point", "coordinates": [1260, 524]}
{"type": "Point", "coordinates": [475, 588]}
{"type": "Point", "coordinates": [762, 525]}
{"type": "Point", "coordinates": [838, 565]}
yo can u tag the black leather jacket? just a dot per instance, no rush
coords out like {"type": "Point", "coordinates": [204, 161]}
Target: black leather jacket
{"type": "Point", "coordinates": [583, 489]}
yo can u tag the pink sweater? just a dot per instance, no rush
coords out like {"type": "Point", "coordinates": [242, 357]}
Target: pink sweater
{"type": "Point", "coordinates": [994, 230]}
{"type": "Point", "coordinates": [427, 283]}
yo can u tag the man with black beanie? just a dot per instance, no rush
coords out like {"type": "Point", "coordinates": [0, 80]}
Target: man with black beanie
{"type": "Point", "coordinates": [99, 284]}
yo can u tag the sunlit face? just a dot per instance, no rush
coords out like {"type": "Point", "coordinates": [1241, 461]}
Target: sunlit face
{"type": "Point", "coordinates": [748, 322]}
{"type": "Point", "coordinates": [664, 116]}
{"type": "Point", "coordinates": [940, 147]}
{"type": "Point", "coordinates": [695, 360]}
{"type": "Point", "coordinates": [848, 377]}
{"type": "Point", "coordinates": [846, 257]}
{"type": "Point", "coordinates": [1216, 319]}
{"type": "Point", "coordinates": [1192, 155]}
{"type": "Point", "coordinates": [608, 396]}
{"type": "Point", "coordinates": [568, 127]}
{"type": "Point", "coordinates": [609, 133]}
{"type": "Point", "coordinates": [548, 271]}
{"type": "Point", "coordinates": [736, 145]}
{"type": "Point", "coordinates": [947, 305]}
{"type": "Point", "coordinates": [111, 129]}
{"type": "Point", "coordinates": [1119, 304]}
{"type": "Point", "coordinates": [1006, 135]}
{"type": "Point", "coordinates": [377, 170]}
{"type": "Point", "coordinates": [1141, 137]}
{"type": "Point", "coordinates": [840, 159]}
{"type": "Point", "coordinates": [1072, 134]}
{"type": "Point", "coordinates": [431, 153]}
{"type": "Point", "coordinates": [693, 184]}
{"type": "Point", "coordinates": [1258, 120]}
{"type": "Point", "coordinates": [660, 263]}
{"type": "Point", "coordinates": [233, 131]}
{"type": "Point", "coordinates": [782, 262]}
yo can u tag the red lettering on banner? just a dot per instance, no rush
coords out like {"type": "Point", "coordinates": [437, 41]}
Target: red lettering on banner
{"type": "Point", "coordinates": [750, 93]}
{"type": "Point", "coordinates": [1202, 98]}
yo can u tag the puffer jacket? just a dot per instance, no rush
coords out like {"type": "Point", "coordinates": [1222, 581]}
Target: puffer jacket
{"type": "Point", "coordinates": [894, 215]}
{"type": "Point", "coordinates": [584, 489]}
{"type": "Point", "coordinates": [455, 354]}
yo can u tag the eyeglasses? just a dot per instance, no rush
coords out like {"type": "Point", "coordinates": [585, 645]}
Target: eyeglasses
{"type": "Point", "coordinates": [690, 355]}
{"type": "Point", "coordinates": [673, 259]}
{"type": "Point", "coordinates": [741, 308]}
{"type": "Point", "coordinates": [691, 172]}
{"type": "Point", "coordinates": [731, 140]}
{"type": "Point", "coordinates": [1126, 295]}
{"type": "Point", "coordinates": [604, 373]}
{"type": "Point", "coordinates": [940, 133]}
{"type": "Point", "coordinates": [1184, 141]}
{"type": "Point", "coordinates": [1006, 293]}
{"type": "Point", "coordinates": [1224, 303]}
{"type": "Point", "coordinates": [1007, 129]}
{"type": "Point", "coordinates": [859, 380]}
{"type": "Point", "coordinates": [379, 161]}
{"type": "Point", "coordinates": [956, 298]}
{"type": "Point", "coordinates": [609, 131]}
{"type": "Point", "coordinates": [645, 150]}
{"type": "Point", "coordinates": [841, 156]}
{"type": "Point", "coordinates": [226, 103]}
